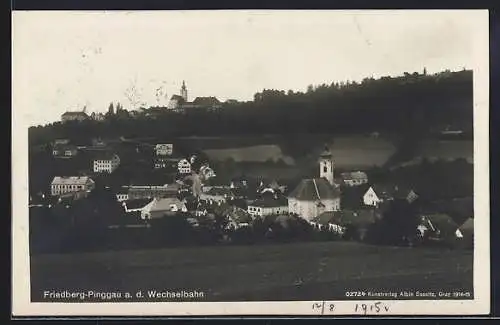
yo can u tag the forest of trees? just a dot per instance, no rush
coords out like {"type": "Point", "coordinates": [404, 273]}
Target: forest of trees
{"type": "Point", "coordinates": [412, 104]}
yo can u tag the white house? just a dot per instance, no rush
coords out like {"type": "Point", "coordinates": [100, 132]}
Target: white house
{"type": "Point", "coordinates": [106, 163]}
{"type": "Point", "coordinates": [61, 185]}
{"type": "Point", "coordinates": [314, 196]}
{"type": "Point", "coordinates": [354, 178]}
{"type": "Point", "coordinates": [265, 207]}
{"type": "Point", "coordinates": [165, 149]}
{"type": "Point", "coordinates": [184, 166]}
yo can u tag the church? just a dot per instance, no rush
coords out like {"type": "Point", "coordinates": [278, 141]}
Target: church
{"type": "Point", "coordinates": [313, 196]}
{"type": "Point", "coordinates": [181, 103]}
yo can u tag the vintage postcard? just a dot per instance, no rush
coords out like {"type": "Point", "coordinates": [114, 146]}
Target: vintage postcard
{"type": "Point", "coordinates": [192, 163]}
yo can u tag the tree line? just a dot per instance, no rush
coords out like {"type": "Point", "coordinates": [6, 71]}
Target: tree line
{"type": "Point", "coordinates": [407, 105]}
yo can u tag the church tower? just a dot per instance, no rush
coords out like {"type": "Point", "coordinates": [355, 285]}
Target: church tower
{"type": "Point", "coordinates": [184, 92]}
{"type": "Point", "coordinates": [326, 166]}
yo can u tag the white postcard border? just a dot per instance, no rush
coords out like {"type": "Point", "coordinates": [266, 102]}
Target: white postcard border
{"type": "Point", "coordinates": [21, 305]}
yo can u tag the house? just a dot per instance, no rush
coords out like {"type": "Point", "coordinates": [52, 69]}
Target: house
{"type": "Point", "coordinates": [354, 178]}
{"type": "Point", "coordinates": [64, 151]}
{"type": "Point", "coordinates": [438, 226]}
{"type": "Point", "coordinates": [206, 172]}
{"type": "Point", "coordinates": [379, 193]}
{"type": "Point", "coordinates": [106, 162]}
{"type": "Point", "coordinates": [341, 222]}
{"type": "Point", "coordinates": [328, 221]}
{"type": "Point", "coordinates": [61, 184]}
{"type": "Point", "coordinates": [137, 205]}
{"type": "Point", "coordinates": [270, 186]}
{"type": "Point", "coordinates": [74, 116]}
{"type": "Point", "coordinates": [268, 206]}
{"type": "Point", "coordinates": [163, 207]}
{"type": "Point", "coordinates": [184, 166]}
{"type": "Point", "coordinates": [237, 217]}
{"type": "Point", "coordinates": [216, 195]}
{"type": "Point", "coordinates": [164, 149]}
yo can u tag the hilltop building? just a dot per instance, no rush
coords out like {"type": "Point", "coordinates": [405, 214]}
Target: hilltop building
{"type": "Point", "coordinates": [74, 116]}
{"type": "Point", "coordinates": [180, 102]}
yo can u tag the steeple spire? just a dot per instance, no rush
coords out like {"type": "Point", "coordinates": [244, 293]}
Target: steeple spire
{"type": "Point", "coordinates": [184, 93]}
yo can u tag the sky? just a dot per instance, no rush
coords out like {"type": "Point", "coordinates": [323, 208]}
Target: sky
{"type": "Point", "coordinates": [63, 61]}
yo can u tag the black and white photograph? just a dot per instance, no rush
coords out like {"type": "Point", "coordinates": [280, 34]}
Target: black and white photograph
{"type": "Point", "coordinates": [250, 162]}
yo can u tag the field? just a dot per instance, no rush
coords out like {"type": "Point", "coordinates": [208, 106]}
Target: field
{"type": "Point", "coordinates": [297, 271]}
{"type": "Point", "coordinates": [259, 153]}
{"type": "Point", "coordinates": [446, 150]}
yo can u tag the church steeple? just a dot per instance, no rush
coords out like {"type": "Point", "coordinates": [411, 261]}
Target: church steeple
{"type": "Point", "coordinates": [184, 92]}
{"type": "Point", "coordinates": [326, 166]}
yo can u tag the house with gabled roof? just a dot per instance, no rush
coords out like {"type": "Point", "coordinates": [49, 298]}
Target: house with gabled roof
{"type": "Point", "coordinates": [438, 226]}
{"type": "Point", "coordinates": [379, 193]}
{"type": "Point", "coordinates": [267, 206]}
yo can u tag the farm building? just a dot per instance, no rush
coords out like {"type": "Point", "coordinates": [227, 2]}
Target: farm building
{"type": "Point", "coordinates": [163, 207]}
{"type": "Point", "coordinates": [137, 205]}
{"type": "Point", "coordinates": [267, 206]}
{"type": "Point", "coordinates": [438, 226]}
{"type": "Point", "coordinates": [379, 193]}
{"type": "Point", "coordinates": [350, 223]}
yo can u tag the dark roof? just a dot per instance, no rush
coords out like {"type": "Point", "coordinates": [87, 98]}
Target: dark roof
{"type": "Point", "coordinates": [308, 190]}
{"type": "Point", "coordinates": [82, 114]}
{"type": "Point", "coordinates": [468, 225]}
{"type": "Point", "coordinates": [443, 222]}
{"type": "Point", "coordinates": [268, 202]}
{"type": "Point", "coordinates": [326, 153]}
{"type": "Point", "coordinates": [206, 101]}
{"type": "Point", "coordinates": [103, 155]}
{"type": "Point", "coordinates": [136, 204]}
{"type": "Point", "coordinates": [358, 218]}
{"type": "Point", "coordinates": [391, 191]}
{"type": "Point", "coordinates": [177, 97]}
